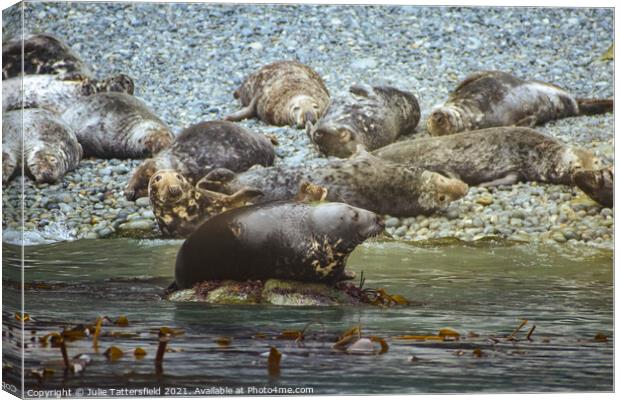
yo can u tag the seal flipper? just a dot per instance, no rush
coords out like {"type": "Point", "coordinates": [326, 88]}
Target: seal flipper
{"type": "Point", "coordinates": [215, 180]}
{"type": "Point", "coordinates": [242, 196]}
{"type": "Point", "coordinates": [598, 185]}
{"type": "Point", "coordinates": [361, 90]}
{"type": "Point", "coordinates": [509, 179]}
{"type": "Point", "coordinates": [529, 121]}
{"type": "Point", "coordinates": [244, 113]}
{"type": "Point", "coordinates": [595, 106]}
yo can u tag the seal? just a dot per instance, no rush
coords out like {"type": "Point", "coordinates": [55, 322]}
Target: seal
{"type": "Point", "coordinates": [282, 93]}
{"type": "Point", "coordinates": [50, 148]}
{"type": "Point", "coordinates": [57, 94]}
{"type": "Point", "coordinates": [493, 156]}
{"type": "Point", "coordinates": [180, 208]}
{"type": "Point", "coordinates": [281, 240]}
{"type": "Point", "coordinates": [597, 184]}
{"type": "Point", "coordinates": [200, 148]}
{"type": "Point", "coordinates": [42, 54]}
{"type": "Point", "coordinates": [373, 116]}
{"type": "Point", "coordinates": [117, 125]}
{"type": "Point", "coordinates": [493, 98]}
{"type": "Point", "coordinates": [363, 181]}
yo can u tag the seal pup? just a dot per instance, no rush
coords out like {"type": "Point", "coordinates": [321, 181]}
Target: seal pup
{"type": "Point", "coordinates": [493, 156]}
{"type": "Point", "coordinates": [117, 125]}
{"type": "Point", "coordinates": [200, 148]}
{"type": "Point", "coordinates": [56, 94]}
{"type": "Point", "coordinates": [373, 116]}
{"type": "Point", "coordinates": [282, 93]}
{"type": "Point", "coordinates": [50, 148]}
{"type": "Point", "coordinates": [281, 240]}
{"type": "Point", "coordinates": [180, 208]}
{"type": "Point", "coordinates": [362, 181]}
{"type": "Point", "coordinates": [597, 184]}
{"type": "Point", "coordinates": [493, 98]}
{"type": "Point", "coordinates": [42, 54]}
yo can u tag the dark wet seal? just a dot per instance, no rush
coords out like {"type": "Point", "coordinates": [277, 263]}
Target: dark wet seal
{"type": "Point", "coordinates": [282, 93]}
{"type": "Point", "coordinates": [493, 98]}
{"type": "Point", "coordinates": [281, 240]}
{"type": "Point", "coordinates": [493, 156]}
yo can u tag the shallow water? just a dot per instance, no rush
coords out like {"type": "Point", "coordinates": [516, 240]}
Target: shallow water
{"type": "Point", "coordinates": [487, 289]}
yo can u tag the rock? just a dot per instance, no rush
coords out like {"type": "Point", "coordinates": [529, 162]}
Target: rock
{"type": "Point", "coordinates": [364, 63]}
{"type": "Point", "coordinates": [143, 202]}
{"type": "Point", "coordinates": [136, 226]}
{"type": "Point", "coordinates": [558, 237]}
{"type": "Point", "coordinates": [485, 200]}
{"type": "Point", "coordinates": [273, 291]}
{"type": "Point", "coordinates": [391, 222]}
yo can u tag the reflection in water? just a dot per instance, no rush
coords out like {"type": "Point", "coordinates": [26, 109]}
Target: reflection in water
{"type": "Point", "coordinates": [487, 289]}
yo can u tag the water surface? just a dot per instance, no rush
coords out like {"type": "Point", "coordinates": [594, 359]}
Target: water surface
{"type": "Point", "coordinates": [485, 289]}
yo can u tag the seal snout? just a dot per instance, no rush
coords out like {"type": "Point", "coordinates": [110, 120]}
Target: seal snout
{"type": "Point", "coordinates": [174, 190]}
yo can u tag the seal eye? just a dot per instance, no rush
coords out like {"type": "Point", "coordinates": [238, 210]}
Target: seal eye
{"type": "Point", "coordinates": [179, 177]}
{"type": "Point", "coordinates": [158, 178]}
{"type": "Point", "coordinates": [296, 108]}
{"type": "Point", "coordinates": [442, 198]}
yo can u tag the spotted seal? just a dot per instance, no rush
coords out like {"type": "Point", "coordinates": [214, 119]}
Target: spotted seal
{"type": "Point", "coordinates": [200, 148]}
{"type": "Point", "coordinates": [282, 93]}
{"type": "Point", "coordinates": [42, 54]}
{"type": "Point", "coordinates": [117, 125]}
{"type": "Point", "coordinates": [57, 94]}
{"type": "Point", "coordinates": [493, 156]}
{"type": "Point", "coordinates": [362, 181]}
{"type": "Point", "coordinates": [281, 240]}
{"type": "Point", "coordinates": [180, 208]}
{"type": "Point", "coordinates": [373, 116]}
{"type": "Point", "coordinates": [597, 184]}
{"type": "Point", "coordinates": [493, 98]}
{"type": "Point", "coordinates": [50, 148]}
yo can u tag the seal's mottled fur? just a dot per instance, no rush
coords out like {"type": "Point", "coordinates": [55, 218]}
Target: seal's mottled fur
{"type": "Point", "coordinates": [493, 156]}
{"type": "Point", "coordinates": [50, 148]}
{"type": "Point", "coordinates": [493, 98]}
{"type": "Point", "coordinates": [117, 125]}
{"type": "Point", "coordinates": [363, 181]}
{"type": "Point", "coordinates": [202, 147]}
{"type": "Point", "coordinates": [180, 208]}
{"type": "Point", "coordinates": [282, 93]}
{"type": "Point", "coordinates": [373, 116]}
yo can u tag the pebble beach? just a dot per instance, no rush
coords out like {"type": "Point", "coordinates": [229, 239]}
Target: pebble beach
{"type": "Point", "coordinates": [187, 59]}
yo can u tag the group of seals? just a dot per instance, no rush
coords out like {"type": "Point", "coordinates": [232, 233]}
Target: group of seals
{"type": "Point", "coordinates": [106, 119]}
{"type": "Point", "coordinates": [373, 116]}
{"type": "Point", "coordinates": [493, 98]}
{"type": "Point", "coordinates": [50, 150]}
{"type": "Point", "coordinates": [494, 156]}
{"type": "Point", "coordinates": [282, 240]}
{"type": "Point", "coordinates": [282, 93]}
{"type": "Point", "coordinates": [363, 181]}
{"type": "Point", "coordinates": [203, 147]}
